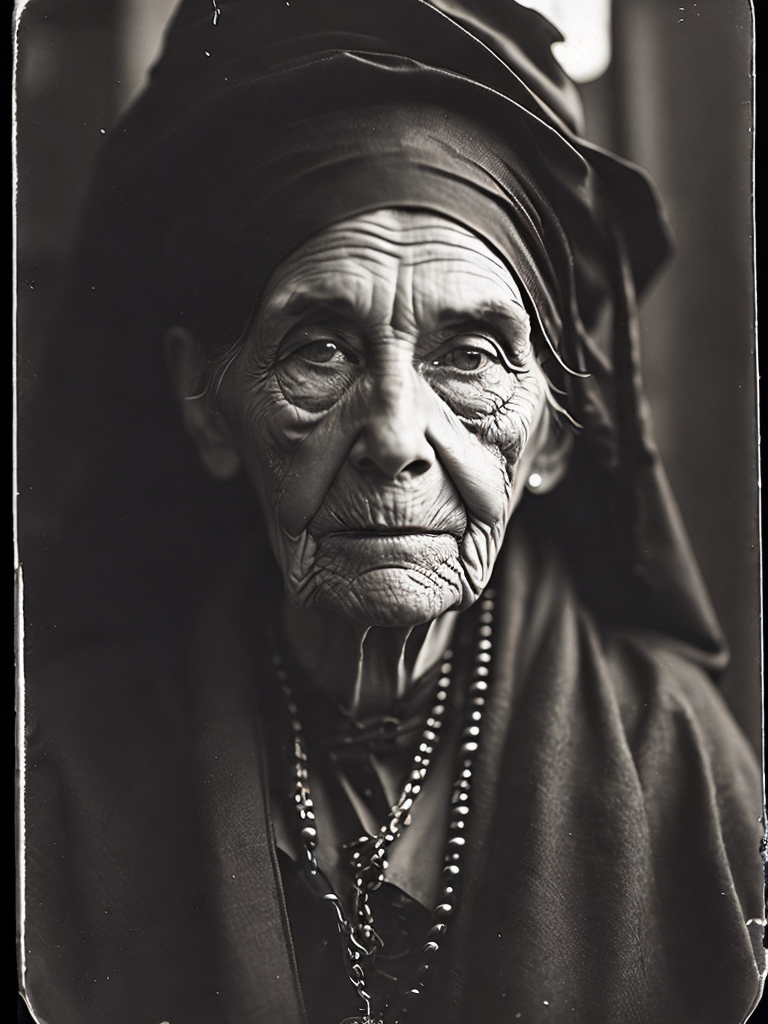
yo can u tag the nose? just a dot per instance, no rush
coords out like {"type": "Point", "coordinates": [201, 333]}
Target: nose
{"type": "Point", "coordinates": [393, 439]}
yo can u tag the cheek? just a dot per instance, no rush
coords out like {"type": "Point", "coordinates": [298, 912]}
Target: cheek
{"type": "Point", "coordinates": [249, 411]}
{"type": "Point", "coordinates": [314, 389]}
{"type": "Point", "coordinates": [494, 476]}
{"type": "Point", "coordinates": [512, 424]}
{"type": "Point", "coordinates": [292, 454]}
{"type": "Point", "coordinates": [484, 445]}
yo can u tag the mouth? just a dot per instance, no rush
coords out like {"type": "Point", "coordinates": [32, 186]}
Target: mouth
{"type": "Point", "coordinates": [383, 534]}
{"type": "Point", "coordinates": [405, 548]}
{"type": "Point", "coordinates": [356, 522]}
{"type": "Point", "coordinates": [386, 531]}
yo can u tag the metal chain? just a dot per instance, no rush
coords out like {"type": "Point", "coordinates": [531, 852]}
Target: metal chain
{"type": "Point", "coordinates": [368, 856]}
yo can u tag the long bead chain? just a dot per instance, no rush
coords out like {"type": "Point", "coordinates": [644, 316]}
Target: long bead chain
{"type": "Point", "coordinates": [369, 852]}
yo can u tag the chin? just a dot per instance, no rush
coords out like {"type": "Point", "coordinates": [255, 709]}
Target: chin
{"type": "Point", "coordinates": [399, 581]}
{"type": "Point", "coordinates": [390, 597]}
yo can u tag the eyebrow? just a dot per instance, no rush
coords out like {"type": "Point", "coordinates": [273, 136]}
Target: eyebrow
{"type": "Point", "coordinates": [302, 303]}
{"type": "Point", "coordinates": [506, 313]}
{"type": "Point", "coordinates": [511, 312]}
{"type": "Point", "coordinates": [511, 318]}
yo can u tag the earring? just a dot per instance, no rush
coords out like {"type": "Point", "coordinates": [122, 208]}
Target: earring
{"type": "Point", "coordinates": [535, 481]}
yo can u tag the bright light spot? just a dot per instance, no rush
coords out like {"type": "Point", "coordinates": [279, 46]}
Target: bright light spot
{"type": "Point", "coordinates": [586, 28]}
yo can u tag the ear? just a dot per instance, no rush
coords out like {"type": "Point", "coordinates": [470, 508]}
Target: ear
{"type": "Point", "coordinates": [550, 462]}
{"type": "Point", "coordinates": [215, 443]}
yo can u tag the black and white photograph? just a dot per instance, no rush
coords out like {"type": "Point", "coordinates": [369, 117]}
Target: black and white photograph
{"type": "Point", "coordinates": [387, 513]}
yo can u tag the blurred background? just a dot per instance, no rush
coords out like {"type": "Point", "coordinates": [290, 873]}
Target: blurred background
{"type": "Point", "coordinates": [666, 83]}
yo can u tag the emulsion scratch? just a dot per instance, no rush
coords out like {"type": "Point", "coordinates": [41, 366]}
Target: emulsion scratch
{"type": "Point", "coordinates": [216, 12]}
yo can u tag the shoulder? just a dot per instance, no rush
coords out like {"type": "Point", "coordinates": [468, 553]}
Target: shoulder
{"type": "Point", "coordinates": [667, 697]}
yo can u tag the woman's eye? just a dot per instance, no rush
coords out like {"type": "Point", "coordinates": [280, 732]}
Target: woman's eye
{"type": "Point", "coordinates": [463, 358]}
{"type": "Point", "coordinates": [324, 351]}
{"type": "Point", "coordinates": [469, 356]}
{"type": "Point", "coordinates": [315, 368]}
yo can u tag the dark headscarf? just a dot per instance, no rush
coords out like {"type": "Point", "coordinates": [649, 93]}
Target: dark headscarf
{"type": "Point", "coordinates": [268, 121]}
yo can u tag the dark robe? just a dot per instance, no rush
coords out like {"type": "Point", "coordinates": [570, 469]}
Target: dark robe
{"type": "Point", "coordinates": [613, 866]}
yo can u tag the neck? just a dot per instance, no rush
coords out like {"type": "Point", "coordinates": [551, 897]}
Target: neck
{"type": "Point", "coordinates": [366, 670]}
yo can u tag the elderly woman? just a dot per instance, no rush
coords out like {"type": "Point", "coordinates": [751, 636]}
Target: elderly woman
{"type": "Point", "coordinates": [428, 730]}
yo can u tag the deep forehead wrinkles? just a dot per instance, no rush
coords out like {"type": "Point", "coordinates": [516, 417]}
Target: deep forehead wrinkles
{"type": "Point", "coordinates": [405, 271]}
{"type": "Point", "coordinates": [458, 286]}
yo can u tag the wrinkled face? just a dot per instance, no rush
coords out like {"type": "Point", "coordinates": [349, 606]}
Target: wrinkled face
{"type": "Point", "coordinates": [388, 408]}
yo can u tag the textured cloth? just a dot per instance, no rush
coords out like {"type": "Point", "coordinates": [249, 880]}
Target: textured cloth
{"type": "Point", "coordinates": [613, 863]}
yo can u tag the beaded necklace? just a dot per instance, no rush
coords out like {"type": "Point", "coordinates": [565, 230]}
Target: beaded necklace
{"type": "Point", "coordinates": [368, 853]}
